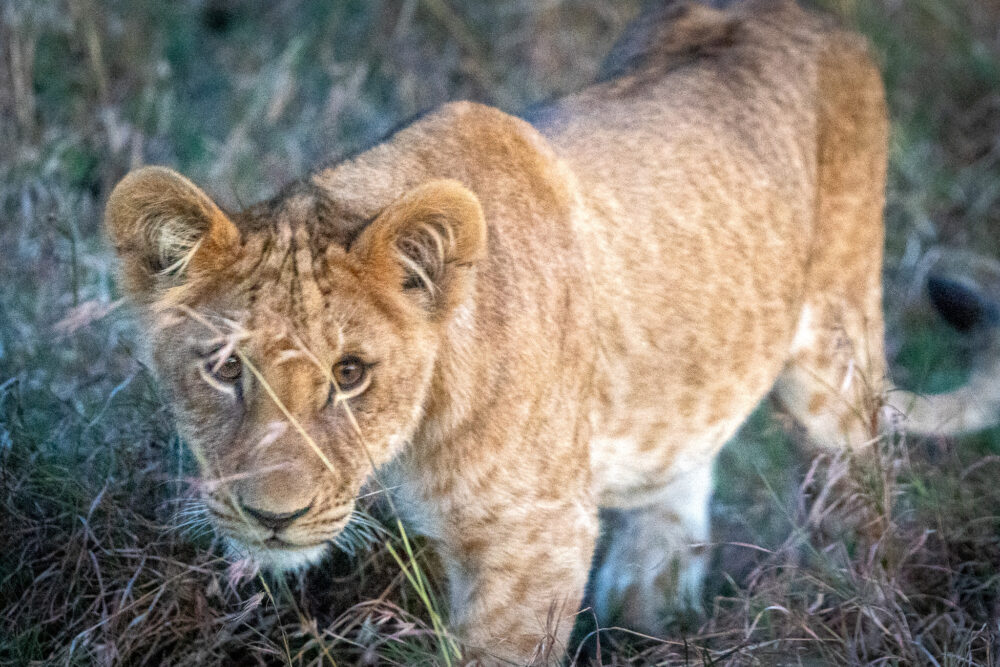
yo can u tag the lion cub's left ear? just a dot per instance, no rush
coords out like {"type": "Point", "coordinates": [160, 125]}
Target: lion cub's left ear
{"type": "Point", "coordinates": [163, 225]}
{"type": "Point", "coordinates": [427, 243]}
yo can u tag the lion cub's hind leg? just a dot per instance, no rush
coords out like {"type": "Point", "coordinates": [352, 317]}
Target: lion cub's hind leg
{"type": "Point", "coordinates": [834, 379]}
{"type": "Point", "coordinates": [833, 384]}
{"type": "Point", "coordinates": [655, 561]}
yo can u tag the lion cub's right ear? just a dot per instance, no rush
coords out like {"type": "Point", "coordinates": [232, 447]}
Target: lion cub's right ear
{"type": "Point", "coordinates": [427, 244]}
{"type": "Point", "coordinates": [162, 226]}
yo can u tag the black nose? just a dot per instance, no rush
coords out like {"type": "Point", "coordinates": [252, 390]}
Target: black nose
{"type": "Point", "coordinates": [273, 520]}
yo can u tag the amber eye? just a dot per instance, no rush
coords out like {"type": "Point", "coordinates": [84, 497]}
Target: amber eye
{"type": "Point", "coordinates": [229, 371]}
{"type": "Point", "coordinates": [349, 373]}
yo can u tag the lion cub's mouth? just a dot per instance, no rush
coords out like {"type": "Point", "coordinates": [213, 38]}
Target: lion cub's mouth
{"type": "Point", "coordinates": [275, 542]}
{"type": "Point", "coordinates": [274, 551]}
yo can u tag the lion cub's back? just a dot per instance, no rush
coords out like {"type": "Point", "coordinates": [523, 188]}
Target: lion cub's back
{"type": "Point", "coordinates": [697, 168]}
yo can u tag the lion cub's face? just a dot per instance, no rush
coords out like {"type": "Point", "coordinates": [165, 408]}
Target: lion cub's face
{"type": "Point", "coordinates": [287, 411]}
{"type": "Point", "coordinates": [295, 367]}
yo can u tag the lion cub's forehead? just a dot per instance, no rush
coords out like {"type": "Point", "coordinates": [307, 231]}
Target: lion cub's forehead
{"type": "Point", "coordinates": [282, 272]}
{"type": "Point", "coordinates": [288, 249]}
{"type": "Point", "coordinates": [293, 276]}
{"type": "Point", "coordinates": [282, 295]}
{"type": "Point", "coordinates": [305, 214]}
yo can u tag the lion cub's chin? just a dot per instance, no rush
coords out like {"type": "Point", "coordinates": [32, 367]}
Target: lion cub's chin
{"type": "Point", "coordinates": [277, 560]}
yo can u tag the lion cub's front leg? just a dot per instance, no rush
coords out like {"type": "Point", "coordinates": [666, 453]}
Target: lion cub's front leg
{"type": "Point", "coordinates": [517, 571]}
{"type": "Point", "coordinates": [655, 559]}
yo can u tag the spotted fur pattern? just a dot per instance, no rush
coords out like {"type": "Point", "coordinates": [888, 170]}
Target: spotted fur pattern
{"type": "Point", "coordinates": [556, 315]}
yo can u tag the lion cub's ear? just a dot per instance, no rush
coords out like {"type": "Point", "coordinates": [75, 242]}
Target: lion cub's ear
{"type": "Point", "coordinates": [162, 224]}
{"type": "Point", "coordinates": [426, 243]}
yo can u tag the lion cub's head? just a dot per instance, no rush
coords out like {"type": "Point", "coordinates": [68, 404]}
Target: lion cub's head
{"type": "Point", "coordinates": [296, 361]}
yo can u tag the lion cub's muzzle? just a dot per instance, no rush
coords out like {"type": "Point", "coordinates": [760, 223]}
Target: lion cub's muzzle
{"type": "Point", "coordinates": [274, 496]}
{"type": "Point", "coordinates": [277, 516]}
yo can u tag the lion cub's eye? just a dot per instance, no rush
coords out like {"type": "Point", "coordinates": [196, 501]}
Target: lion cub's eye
{"type": "Point", "coordinates": [349, 373]}
{"type": "Point", "coordinates": [229, 371]}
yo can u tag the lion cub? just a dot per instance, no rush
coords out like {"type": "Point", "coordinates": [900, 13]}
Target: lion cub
{"type": "Point", "coordinates": [511, 324]}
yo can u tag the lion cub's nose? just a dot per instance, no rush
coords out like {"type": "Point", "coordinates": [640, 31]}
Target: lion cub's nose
{"type": "Point", "coordinates": [274, 520]}
{"type": "Point", "coordinates": [276, 496]}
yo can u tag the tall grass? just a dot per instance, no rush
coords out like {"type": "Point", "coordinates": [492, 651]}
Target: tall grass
{"type": "Point", "coordinates": [103, 561]}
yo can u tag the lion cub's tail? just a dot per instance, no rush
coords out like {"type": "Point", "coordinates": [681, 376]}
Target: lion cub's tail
{"type": "Point", "coordinates": [971, 304]}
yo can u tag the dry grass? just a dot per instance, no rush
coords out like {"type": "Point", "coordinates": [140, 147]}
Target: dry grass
{"type": "Point", "coordinates": [103, 561]}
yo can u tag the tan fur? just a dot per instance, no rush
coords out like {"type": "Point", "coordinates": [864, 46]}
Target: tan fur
{"type": "Point", "coordinates": [562, 315]}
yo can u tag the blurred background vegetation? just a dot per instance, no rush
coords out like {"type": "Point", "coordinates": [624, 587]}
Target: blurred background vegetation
{"type": "Point", "coordinates": [243, 96]}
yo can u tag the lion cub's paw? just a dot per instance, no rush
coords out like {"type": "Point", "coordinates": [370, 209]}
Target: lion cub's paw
{"type": "Point", "coordinates": [651, 576]}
